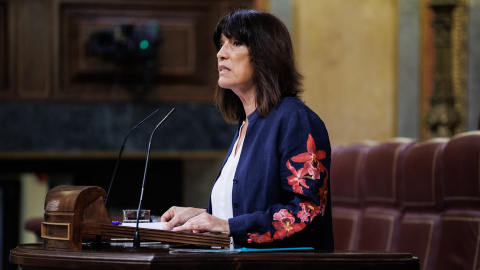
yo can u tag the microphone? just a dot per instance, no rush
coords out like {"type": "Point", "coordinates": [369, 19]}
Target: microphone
{"type": "Point", "coordinates": [123, 146]}
{"type": "Point", "coordinates": [136, 239]}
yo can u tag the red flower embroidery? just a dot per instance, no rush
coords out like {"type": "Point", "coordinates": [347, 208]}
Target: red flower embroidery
{"type": "Point", "coordinates": [323, 191]}
{"type": "Point", "coordinates": [256, 238]}
{"type": "Point", "coordinates": [311, 208]}
{"type": "Point", "coordinates": [285, 224]}
{"type": "Point", "coordinates": [304, 214]}
{"type": "Point", "coordinates": [296, 179]}
{"type": "Point", "coordinates": [284, 220]}
{"type": "Point", "coordinates": [312, 159]}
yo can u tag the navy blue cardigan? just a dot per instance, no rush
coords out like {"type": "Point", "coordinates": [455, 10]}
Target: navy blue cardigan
{"type": "Point", "coordinates": [281, 188]}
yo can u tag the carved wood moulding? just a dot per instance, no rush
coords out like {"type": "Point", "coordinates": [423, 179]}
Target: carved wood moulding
{"type": "Point", "coordinates": [459, 61]}
{"type": "Point", "coordinates": [152, 50]}
{"type": "Point", "coordinates": [447, 114]}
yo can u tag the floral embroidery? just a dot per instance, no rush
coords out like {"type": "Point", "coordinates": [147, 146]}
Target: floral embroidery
{"type": "Point", "coordinates": [313, 166]}
{"type": "Point", "coordinates": [309, 210]}
{"type": "Point", "coordinates": [285, 224]}
{"type": "Point", "coordinates": [256, 238]}
{"type": "Point", "coordinates": [312, 159]}
{"type": "Point", "coordinates": [296, 179]}
{"type": "Point", "coordinates": [304, 214]}
{"type": "Point", "coordinates": [284, 220]}
{"type": "Point", "coordinates": [323, 191]}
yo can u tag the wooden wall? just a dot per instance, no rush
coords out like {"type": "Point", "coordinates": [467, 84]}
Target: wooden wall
{"type": "Point", "coordinates": [48, 49]}
{"type": "Point", "coordinates": [4, 45]}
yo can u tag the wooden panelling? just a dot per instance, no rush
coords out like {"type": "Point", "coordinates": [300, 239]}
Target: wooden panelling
{"type": "Point", "coordinates": [33, 48]}
{"type": "Point", "coordinates": [182, 59]}
{"type": "Point", "coordinates": [53, 52]}
{"type": "Point", "coordinates": [3, 49]}
{"type": "Point", "coordinates": [183, 68]}
{"type": "Point", "coordinates": [177, 53]}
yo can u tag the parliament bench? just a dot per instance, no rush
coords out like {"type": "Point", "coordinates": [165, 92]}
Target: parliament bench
{"type": "Point", "coordinates": [406, 195]}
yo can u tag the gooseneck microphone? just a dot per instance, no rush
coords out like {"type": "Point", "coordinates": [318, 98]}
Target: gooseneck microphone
{"type": "Point", "coordinates": [136, 239]}
{"type": "Point", "coordinates": [123, 146]}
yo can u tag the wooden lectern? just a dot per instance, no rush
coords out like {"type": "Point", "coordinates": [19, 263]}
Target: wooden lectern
{"type": "Point", "coordinates": [74, 211]}
{"type": "Point", "coordinates": [67, 208]}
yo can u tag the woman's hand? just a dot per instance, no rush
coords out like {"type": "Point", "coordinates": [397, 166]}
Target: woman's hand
{"type": "Point", "coordinates": [176, 216]}
{"type": "Point", "coordinates": [193, 219]}
{"type": "Point", "coordinates": [205, 223]}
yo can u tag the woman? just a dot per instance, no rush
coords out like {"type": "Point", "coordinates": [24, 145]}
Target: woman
{"type": "Point", "coordinates": [273, 189]}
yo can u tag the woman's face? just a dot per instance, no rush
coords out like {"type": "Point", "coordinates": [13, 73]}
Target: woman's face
{"type": "Point", "coordinates": [234, 67]}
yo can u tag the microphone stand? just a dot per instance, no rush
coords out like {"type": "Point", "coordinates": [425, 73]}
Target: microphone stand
{"type": "Point", "coordinates": [123, 146]}
{"type": "Point", "coordinates": [136, 239]}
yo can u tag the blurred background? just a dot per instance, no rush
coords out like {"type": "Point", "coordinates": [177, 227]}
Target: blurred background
{"type": "Point", "coordinates": [77, 75]}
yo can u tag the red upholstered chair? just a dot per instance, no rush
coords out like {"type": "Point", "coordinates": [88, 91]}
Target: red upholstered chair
{"type": "Point", "coordinates": [346, 197]}
{"type": "Point", "coordinates": [459, 243]}
{"type": "Point", "coordinates": [461, 170]}
{"type": "Point", "coordinates": [422, 201]}
{"type": "Point", "coordinates": [34, 225]}
{"type": "Point", "coordinates": [382, 195]}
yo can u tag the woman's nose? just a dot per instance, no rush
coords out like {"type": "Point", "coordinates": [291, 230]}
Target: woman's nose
{"type": "Point", "coordinates": [222, 53]}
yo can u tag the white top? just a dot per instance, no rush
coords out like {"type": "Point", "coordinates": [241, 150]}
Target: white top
{"type": "Point", "coordinates": [222, 190]}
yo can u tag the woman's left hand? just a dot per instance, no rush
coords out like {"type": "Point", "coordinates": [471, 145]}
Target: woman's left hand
{"type": "Point", "coordinates": [205, 223]}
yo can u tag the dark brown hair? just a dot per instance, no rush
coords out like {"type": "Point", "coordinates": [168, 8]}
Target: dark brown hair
{"type": "Point", "coordinates": [271, 54]}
